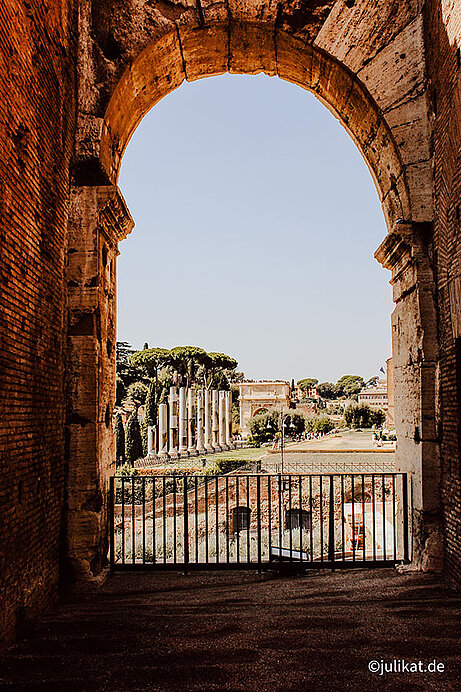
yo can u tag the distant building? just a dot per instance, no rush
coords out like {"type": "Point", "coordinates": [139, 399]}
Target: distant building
{"type": "Point", "coordinates": [263, 395]}
{"type": "Point", "coordinates": [310, 393]}
{"type": "Point", "coordinates": [375, 397]}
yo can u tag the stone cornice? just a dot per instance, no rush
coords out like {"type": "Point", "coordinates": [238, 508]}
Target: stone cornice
{"type": "Point", "coordinates": [114, 217]}
{"type": "Point", "coordinates": [396, 246]}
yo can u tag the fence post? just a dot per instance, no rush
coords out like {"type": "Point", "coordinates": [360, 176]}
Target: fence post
{"type": "Point", "coordinates": [405, 517]}
{"type": "Point", "coordinates": [111, 525]}
{"type": "Point", "coordinates": [258, 502]}
{"type": "Point", "coordinates": [186, 528]}
{"type": "Point", "coordinates": [331, 525]}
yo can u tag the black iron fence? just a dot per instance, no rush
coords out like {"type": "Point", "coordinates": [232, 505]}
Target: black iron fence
{"type": "Point", "coordinates": [255, 521]}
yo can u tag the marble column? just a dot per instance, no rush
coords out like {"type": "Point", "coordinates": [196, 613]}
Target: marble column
{"type": "Point", "coordinates": [163, 429]}
{"type": "Point", "coordinates": [222, 420]}
{"type": "Point", "coordinates": [214, 420]}
{"type": "Point", "coordinates": [151, 446]}
{"type": "Point", "coordinates": [208, 439]}
{"type": "Point", "coordinates": [182, 421]}
{"type": "Point", "coordinates": [190, 421]}
{"type": "Point", "coordinates": [173, 423]}
{"type": "Point", "coordinates": [228, 417]}
{"type": "Point", "coordinates": [200, 446]}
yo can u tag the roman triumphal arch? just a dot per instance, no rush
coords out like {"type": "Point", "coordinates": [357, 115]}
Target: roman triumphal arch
{"type": "Point", "coordinates": [366, 62]}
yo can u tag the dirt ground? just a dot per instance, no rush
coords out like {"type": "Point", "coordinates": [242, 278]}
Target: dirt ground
{"type": "Point", "coordinates": [242, 631]}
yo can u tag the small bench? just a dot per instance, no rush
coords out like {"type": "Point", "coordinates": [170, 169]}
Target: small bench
{"type": "Point", "coordinates": [277, 553]}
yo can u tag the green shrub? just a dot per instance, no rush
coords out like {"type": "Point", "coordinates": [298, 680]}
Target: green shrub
{"type": "Point", "coordinates": [363, 416]}
{"type": "Point", "coordinates": [323, 424]}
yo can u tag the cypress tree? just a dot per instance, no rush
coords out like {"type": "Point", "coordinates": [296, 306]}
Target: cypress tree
{"type": "Point", "coordinates": [150, 407]}
{"type": "Point", "coordinates": [133, 440]}
{"type": "Point", "coordinates": [144, 437]}
{"type": "Point", "coordinates": [119, 441]}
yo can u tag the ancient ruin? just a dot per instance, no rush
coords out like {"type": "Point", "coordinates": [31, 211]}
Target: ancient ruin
{"type": "Point", "coordinates": [191, 423]}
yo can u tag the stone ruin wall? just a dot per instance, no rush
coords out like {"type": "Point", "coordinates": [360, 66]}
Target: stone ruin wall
{"type": "Point", "coordinates": [36, 141]}
{"type": "Point", "coordinates": [443, 42]}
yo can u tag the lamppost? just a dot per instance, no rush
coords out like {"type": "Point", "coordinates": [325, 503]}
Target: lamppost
{"type": "Point", "coordinates": [283, 426]}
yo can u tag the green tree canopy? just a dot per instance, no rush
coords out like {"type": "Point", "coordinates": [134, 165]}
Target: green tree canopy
{"type": "Point", "coordinates": [218, 363]}
{"type": "Point", "coordinates": [327, 390]}
{"type": "Point", "coordinates": [350, 384]}
{"type": "Point", "coordinates": [127, 372]}
{"type": "Point", "coordinates": [218, 381]}
{"type": "Point", "coordinates": [185, 360]}
{"type": "Point", "coordinates": [137, 392]}
{"type": "Point", "coordinates": [363, 416]}
{"type": "Point", "coordinates": [152, 359]}
{"type": "Point", "coordinates": [372, 382]}
{"type": "Point", "coordinates": [192, 363]}
{"type": "Point", "coordinates": [263, 426]}
{"type": "Point", "coordinates": [307, 383]}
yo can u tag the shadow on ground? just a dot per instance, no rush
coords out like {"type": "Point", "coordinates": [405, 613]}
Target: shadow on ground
{"type": "Point", "coordinates": [231, 631]}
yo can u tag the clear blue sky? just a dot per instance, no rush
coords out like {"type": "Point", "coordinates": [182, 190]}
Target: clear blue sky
{"type": "Point", "coordinates": [256, 222]}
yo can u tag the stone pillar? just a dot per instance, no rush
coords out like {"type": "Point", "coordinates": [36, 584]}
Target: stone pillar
{"type": "Point", "coordinates": [190, 422]}
{"type": "Point", "coordinates": [173, 423]}
{"type": "Point", "coordinates": [207, 422]}
{"type": "Point", "coordinates": [200, 446]}
{"type": "Point", "coordinates": [151, 446]}
{"type": "Point", "coordinates": [163, 429]}
{"type": "Point", "coordinates": [228, 418]}
{"type": "Point", "coordinates": [182, 421]}
{"type": "Point", "coordinates": [222, 420]}
{"type": "Point", "coordinates": [406, 252]}
{"type": "Point", "coordinates": [98, 220]}
{"type": "Point", "coordinates": [215, 420]}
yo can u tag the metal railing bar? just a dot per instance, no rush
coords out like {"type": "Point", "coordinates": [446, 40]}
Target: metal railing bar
{"type": "Point", "coordinates": [143, 519]}
{"type": "Point", "coordinates": [133, 523]}
{"type": "Point", "coordinates": [394, 523]}
{"type": "Point", "coordinates": [248, 519]}
{"type": "Point", "coordinates": [384, 515]}
{"type": "Point", "coordinates": [123, 519]}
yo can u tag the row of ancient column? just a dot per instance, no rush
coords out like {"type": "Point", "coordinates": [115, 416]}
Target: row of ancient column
{"type": "Point", "coordinates": [193, 422]}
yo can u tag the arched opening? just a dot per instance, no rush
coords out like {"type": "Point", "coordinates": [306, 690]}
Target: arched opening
{"type": "Point", "coordinates": [150, 78]}
{"type": "Point", "coordinates": [259, 411]}
{"type": "Point", "coordinates": [100, 212]}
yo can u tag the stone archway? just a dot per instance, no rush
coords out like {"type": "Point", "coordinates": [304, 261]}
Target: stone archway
{"type": "Point", "coordinates": [366, 64]}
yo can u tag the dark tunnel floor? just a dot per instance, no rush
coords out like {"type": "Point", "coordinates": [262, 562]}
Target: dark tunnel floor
{"type": "Point", "coordinates": [242, 631]}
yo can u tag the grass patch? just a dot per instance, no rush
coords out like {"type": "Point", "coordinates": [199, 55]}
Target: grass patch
{"type": "Point", "coordinates": [244, 454]}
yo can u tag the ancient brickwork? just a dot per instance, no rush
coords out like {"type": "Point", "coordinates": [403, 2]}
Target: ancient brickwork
{"type": "Point", "coordinates": [443, 39]}
{"type": "Point", "coordinates": [98, 219]}
{"type": "Point", "coordinates": [36, 138]}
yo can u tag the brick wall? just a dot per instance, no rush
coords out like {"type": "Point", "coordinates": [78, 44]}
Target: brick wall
{"type": "Point", "coordinates": [443, 38]}
{"type": "Point", "coordinates": [36, 137]}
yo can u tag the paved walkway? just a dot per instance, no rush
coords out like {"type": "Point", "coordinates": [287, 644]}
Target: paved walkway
{"type": "Point", "coordinates": [243, 632]}
{"type": "Point", "coordinates": [350, 440]}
